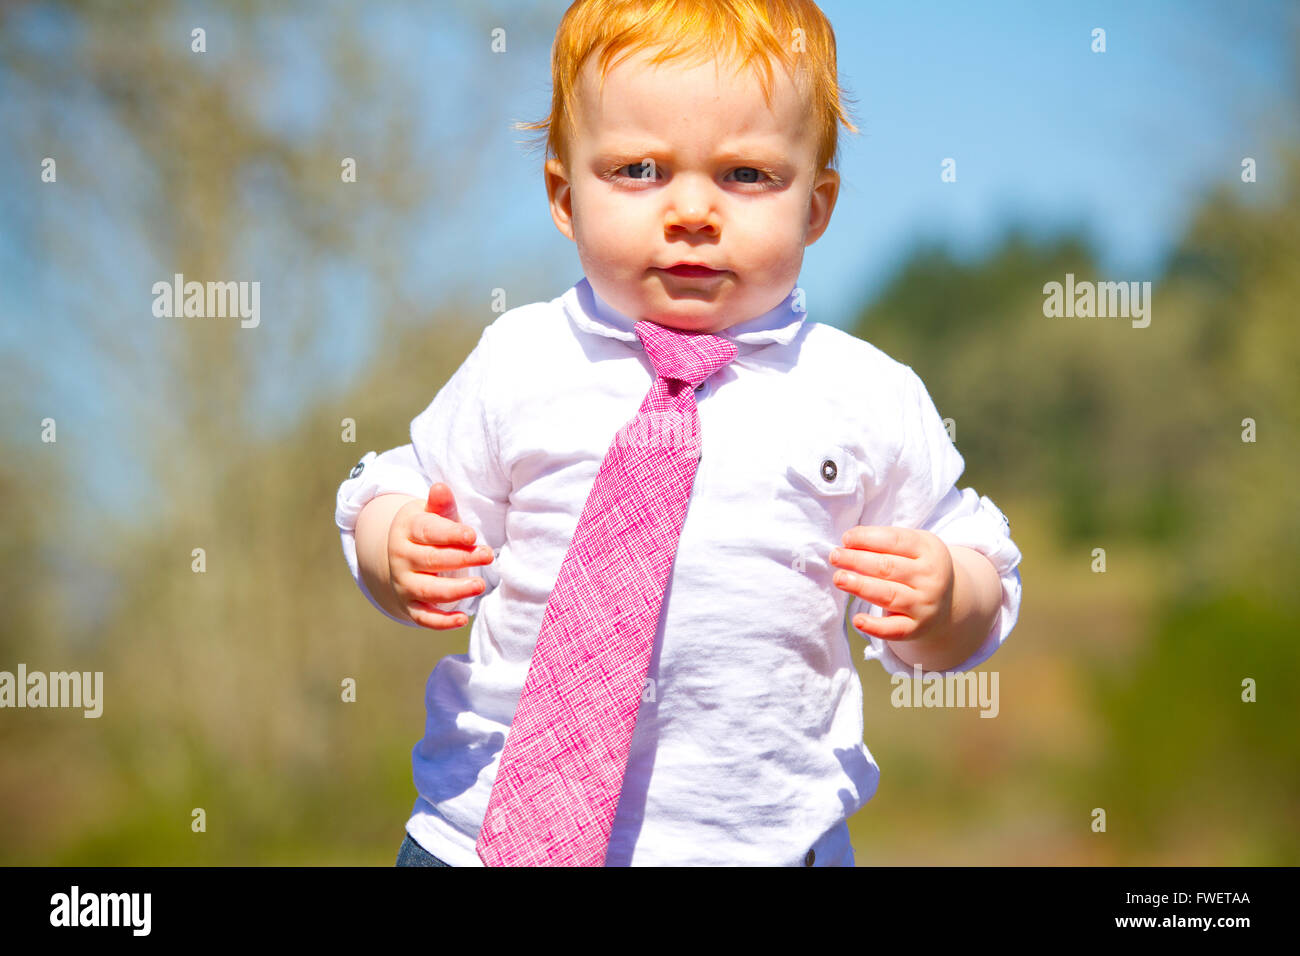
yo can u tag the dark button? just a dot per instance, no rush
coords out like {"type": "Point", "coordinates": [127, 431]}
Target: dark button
{"type": "Point", "coordinates": [808, 860]}
{"type": "Point", "coordinates": [700, 386]}
{"type": "Point", "coordinates": [829, 471]}
{"type": "Point", "coordinates": [356, 469]}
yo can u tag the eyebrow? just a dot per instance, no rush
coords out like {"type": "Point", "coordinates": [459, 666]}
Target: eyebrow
{"type": "Point", "coordinates": [733, 153]}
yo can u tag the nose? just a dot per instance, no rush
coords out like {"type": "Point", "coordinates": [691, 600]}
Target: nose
{"type": "Point", "coordinates": [690, 209]}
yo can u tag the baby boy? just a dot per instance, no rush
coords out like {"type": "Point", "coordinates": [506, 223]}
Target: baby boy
{"type": "Point", "coordinates": [691, 148]}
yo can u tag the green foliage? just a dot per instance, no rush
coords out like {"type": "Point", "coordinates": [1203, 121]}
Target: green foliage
{"type": "Point", "coordinates": [1135, 433]}
{"type": "Point", "coordinates": [1180, 740]}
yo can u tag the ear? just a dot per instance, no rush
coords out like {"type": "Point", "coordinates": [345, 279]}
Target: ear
{"type": "Point", "coordinates": [826, 189]}
{"type": "Point", "coordinates": [560, 195]}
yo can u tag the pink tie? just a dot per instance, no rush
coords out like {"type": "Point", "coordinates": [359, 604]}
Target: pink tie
{"type": "Point", "coordinates": [561, 772]}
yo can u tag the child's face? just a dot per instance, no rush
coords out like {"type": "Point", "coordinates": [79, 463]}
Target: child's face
{"type": "Point", "coordinates": [710, 196]}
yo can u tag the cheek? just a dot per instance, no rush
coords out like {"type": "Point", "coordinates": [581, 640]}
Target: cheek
{"type": "Point", "coordinates": [774, 236]}
{"type": "Point", "coordinates": [592, 229]}
{"type": "Point", "coordinates": [600, 219]}
{"type": "Point", "coordinates": [605, 248]}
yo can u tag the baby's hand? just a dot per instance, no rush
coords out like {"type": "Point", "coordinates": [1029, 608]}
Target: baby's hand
{"type": "Point", "coordinates": [423, 540]}
{"type": "Point", "coordinates": [907, 572]}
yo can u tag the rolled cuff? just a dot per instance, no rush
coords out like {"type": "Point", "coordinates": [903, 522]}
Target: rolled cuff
{"type": "Point", "coordinates": [967, 520]}
{"type": "Point", "coordinates": [394, 472]}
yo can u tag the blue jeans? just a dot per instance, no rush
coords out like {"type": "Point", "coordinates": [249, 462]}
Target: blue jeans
{"type": "Point", "coordinates": [412, 854]}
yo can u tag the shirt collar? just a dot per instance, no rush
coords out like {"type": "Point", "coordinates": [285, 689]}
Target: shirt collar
{"type": "Point", "coordinates": [591, 313]}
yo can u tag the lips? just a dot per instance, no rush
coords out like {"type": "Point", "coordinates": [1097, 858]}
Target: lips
{"type": "Point", "coordinates": [687, 271]}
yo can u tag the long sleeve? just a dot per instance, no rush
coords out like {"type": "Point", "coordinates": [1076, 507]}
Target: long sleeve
{"type": "Point", "coordinates": [452, 441]}
{"type": "Point", "coordinates": [922, 494]}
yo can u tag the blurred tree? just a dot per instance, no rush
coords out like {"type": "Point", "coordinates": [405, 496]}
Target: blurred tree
{"type": "Point", "coordinates": [222, 688]}
{"type": "Point", "coordinates": [1132, 432]}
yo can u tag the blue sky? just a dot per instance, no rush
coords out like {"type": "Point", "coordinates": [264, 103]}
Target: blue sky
{"type": "Point", "coordinates": [1045, 132]}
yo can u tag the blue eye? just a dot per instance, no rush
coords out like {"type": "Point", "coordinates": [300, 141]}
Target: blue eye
{"type": "Point", "coordinates": [756, 176]}
{"type": "Point", "coordinates": [644, 171]}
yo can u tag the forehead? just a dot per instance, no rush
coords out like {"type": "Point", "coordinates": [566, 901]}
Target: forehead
{"type": "Point", "coordinates": [686, 101]}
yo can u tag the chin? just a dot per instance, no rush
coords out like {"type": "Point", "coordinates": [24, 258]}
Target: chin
{"type": "Point", "coordinates": [686, 309]}
{"type": "Point", "coordinates": [685, 322]}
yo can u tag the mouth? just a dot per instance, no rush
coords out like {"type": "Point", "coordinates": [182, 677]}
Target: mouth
{"type": "Point", "coordinates": [692, 270]}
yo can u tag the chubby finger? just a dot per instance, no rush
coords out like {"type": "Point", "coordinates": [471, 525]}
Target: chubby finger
{"type": "Point", "coordinates": [434, 589]}
{"type": "Point", "coordinates": [429, 559]}
{"type": "Point", "coordinates": [441, 501]}
{"type": "Point", "coordinates": [890, 595]}
{"type": "Point", "coordinates": [876, 564]}
{"type": "Point", "coordinates": [435, 619]}
{"type": "Point", "coordinates": [441, 532]}
{"type": "Point", "coordinates": [891, 627]}
{"type": "Point", "coordinates": [883, 538]}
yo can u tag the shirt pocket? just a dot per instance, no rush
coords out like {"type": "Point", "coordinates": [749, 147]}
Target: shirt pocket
{"type": "Point", "coordinates": [824, 480]}
{"type": "Point", "coordinates": [825, 467]}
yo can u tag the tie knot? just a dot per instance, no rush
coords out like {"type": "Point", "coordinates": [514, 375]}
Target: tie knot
{"type": "Point", "coordinates": [686, 356]}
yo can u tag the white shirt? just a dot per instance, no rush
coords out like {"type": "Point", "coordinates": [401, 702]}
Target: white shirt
{"type": "Point", "coordinates": [748, 747]}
